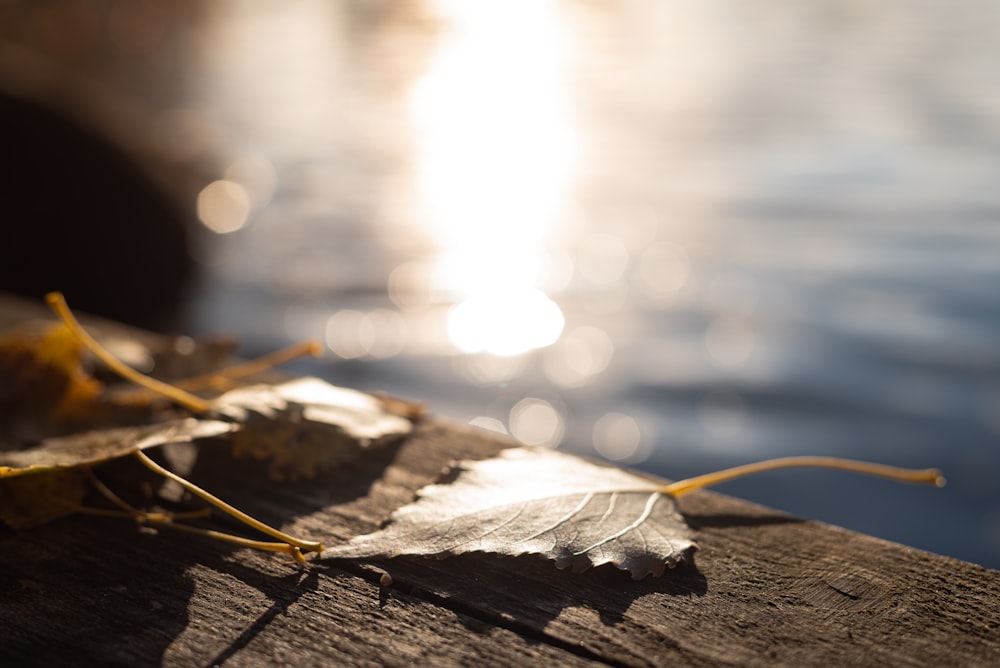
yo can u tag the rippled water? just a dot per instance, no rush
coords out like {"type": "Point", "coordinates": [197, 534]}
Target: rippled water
{"type": "Point", "coordinates": [697, 233]}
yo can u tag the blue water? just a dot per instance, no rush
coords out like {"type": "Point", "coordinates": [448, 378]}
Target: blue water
{"type": "Point", "coordinates": [768, 230]}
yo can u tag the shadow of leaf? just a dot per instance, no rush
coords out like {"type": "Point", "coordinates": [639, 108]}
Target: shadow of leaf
{"type": "Point", "coordinates": [283, 592]}
{"type": "Point", "coordinates": [107, 592]}
{"type": "Point", "coordinates": [722, 520]}
{"type": "Point", "coordinates": [526, 593]}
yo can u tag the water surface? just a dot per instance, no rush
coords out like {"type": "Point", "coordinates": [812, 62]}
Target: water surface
{"type": "Point", "coordinates": [679, 236]}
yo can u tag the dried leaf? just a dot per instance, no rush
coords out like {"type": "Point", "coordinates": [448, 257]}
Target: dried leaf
{"type": "Point", "coordinates": [537, 501]}
{"type": "Point", "coordinates": [306, 426]}
{"type": "Point", "coordinates": [95, 447]}
{"type": "Point", "coordinates": [42, 379]}
{"type": "Point", "coordinates": [49, 481]}
{"type": "Point", "coordinates": [50, 387]}
{"type": "Point", "coordinates": [33, 500]}
{"type": "Point", "coordinates": [303, 427]}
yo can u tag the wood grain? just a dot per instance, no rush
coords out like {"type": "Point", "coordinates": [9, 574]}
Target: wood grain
{"type": "Point", "coordinates": [764, 588]}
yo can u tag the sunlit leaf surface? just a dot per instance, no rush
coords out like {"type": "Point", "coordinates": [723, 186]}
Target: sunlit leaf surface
{"type": "Point", "coordinates": [537, 501]}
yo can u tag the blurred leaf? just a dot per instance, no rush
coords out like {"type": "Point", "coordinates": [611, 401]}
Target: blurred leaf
{"type": "Point", "coordinates": [42, 379]}
{"type": "Point", "coordinates": [49, 385]}
{"type": "Point", "coordinates": [303, 427]}
{"type": "Point", "coordinates": [537, 501]}
{"type": "Point", "coordinates": [94, 447]}
{"type": "Point", "coordinates": [307, 426]}
{"type": "Point", "coordinates": [33, 500]}
{"type": "Point", "coordinates": [49, 481]}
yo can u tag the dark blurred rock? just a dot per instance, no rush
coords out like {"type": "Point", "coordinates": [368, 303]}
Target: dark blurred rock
{"type": "Point", "coordinates": [80, 217]}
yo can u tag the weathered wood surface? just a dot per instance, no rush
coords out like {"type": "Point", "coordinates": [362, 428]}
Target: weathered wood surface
{"type": "Point", "coordinates": [764, 588]}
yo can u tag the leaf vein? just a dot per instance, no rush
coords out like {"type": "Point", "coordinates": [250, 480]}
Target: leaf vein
{"type": "Point", "coordinates": [562, 520]}
{"type": "Point", "coordinates": [647, 510]}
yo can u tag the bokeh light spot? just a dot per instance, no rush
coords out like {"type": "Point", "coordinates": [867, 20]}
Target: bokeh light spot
{"type": "Point", "coordinates": [380, 333]}
{"type": "Point", "coordinates": [617, 436]}
{"type": "Point", "coordinates": [223, 206]}
{"type": "Point", "coordinates": [535, 421]}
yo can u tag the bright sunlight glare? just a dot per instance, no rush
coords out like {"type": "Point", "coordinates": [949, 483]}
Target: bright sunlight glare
{"type": "Point", "coordinates": [505, 323]}
{"type": "Point", "coordinates": [494, 164]}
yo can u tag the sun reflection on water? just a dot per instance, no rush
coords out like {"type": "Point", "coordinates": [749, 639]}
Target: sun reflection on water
{"type": "Point", "coordinates": [495, 154]}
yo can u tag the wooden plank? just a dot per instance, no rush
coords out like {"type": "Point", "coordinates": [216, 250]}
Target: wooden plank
{"type": "Point", "coordinates": [105, 592]}
{"type": "Point", "coordinates": [764, 587]}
